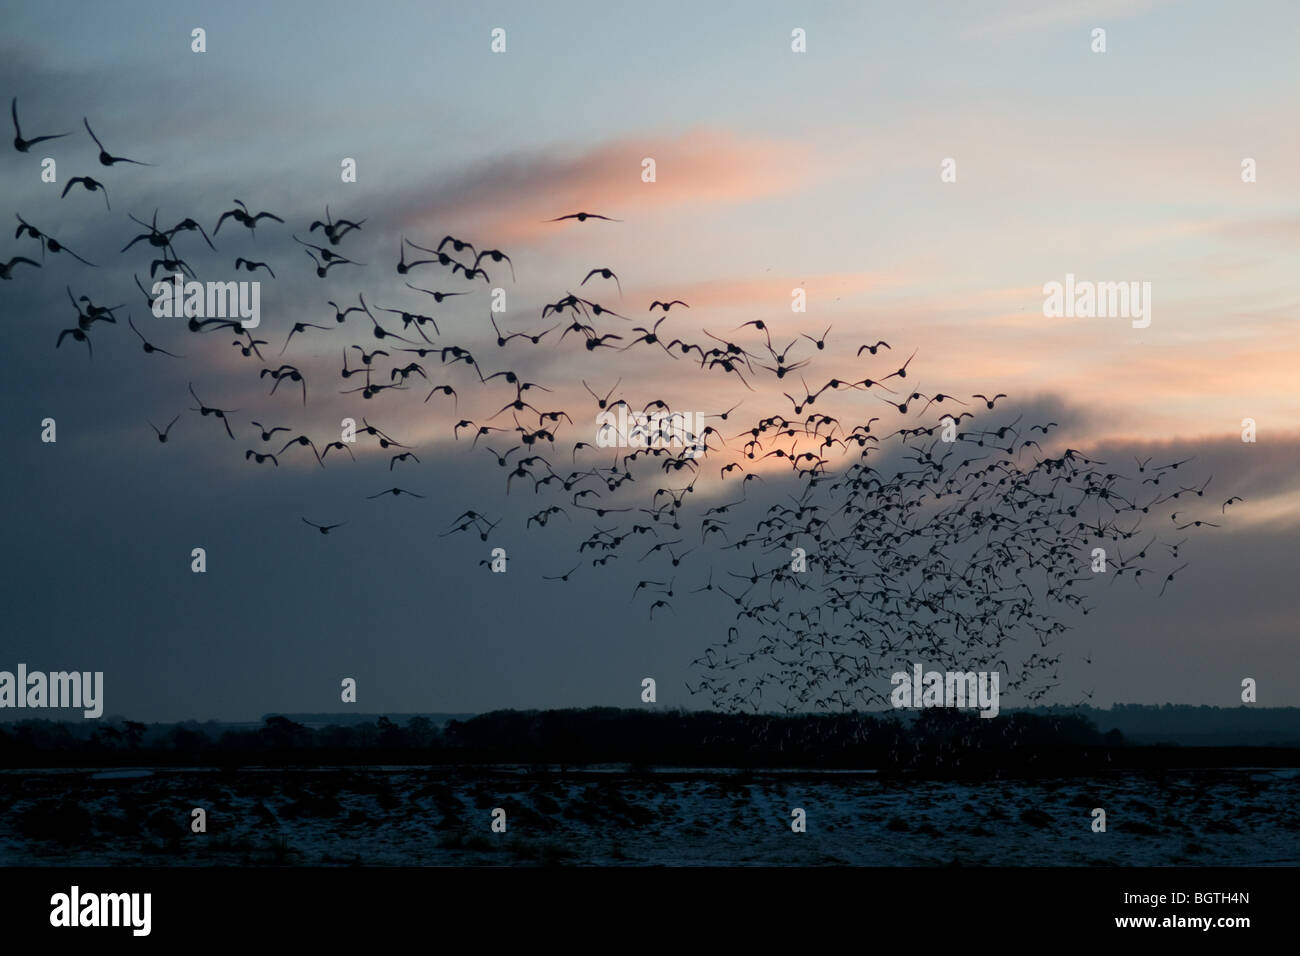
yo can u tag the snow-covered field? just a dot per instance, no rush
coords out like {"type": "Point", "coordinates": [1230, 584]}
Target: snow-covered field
{"type": "Point", "coordinates": [439, 816]}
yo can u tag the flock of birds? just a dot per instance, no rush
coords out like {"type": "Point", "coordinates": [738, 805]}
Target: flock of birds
{"type": "Point", "coordinates": [936, 530]}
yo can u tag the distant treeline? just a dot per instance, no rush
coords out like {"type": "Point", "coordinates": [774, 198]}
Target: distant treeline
{"type": "Point", "coordinates": [942, 740]}
{"type": "Point", "coordinates": [1202, 726]}
{"type": "Point", "coordinates": [1172, 724]}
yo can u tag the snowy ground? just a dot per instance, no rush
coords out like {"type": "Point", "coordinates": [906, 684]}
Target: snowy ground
{"type": "Point", "coordinates": [439, 816]}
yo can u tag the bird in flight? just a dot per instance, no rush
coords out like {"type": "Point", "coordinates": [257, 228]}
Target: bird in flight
{"type": "Point", "coordinates": [149, 348]}
{"type": "Point", "coordinates": [162, 435]}
{"type": "Point", "coordinates": [250, 266]}
{"type": "Point", "coordinates": [564, 576]}
{"type": "Point", "coordinates": [303, 440]}
{"type": "Point", "coordinates": [1170, 578]}
{"type": "Point", "coordinates": [105, 158]}
{"type": "Point", "coordinates": [394, 492]}
{"type": "Point", "coordinates": [437, 296]}
{"type": "Point", "coordinates": [221, 413]}
{"type": "Point", "coordinates": [244, 217]}
{"type": "Point", "coordinates": [324, 528]}
{"type": "Point", "coordinates": [583, 217]}
{"type": "Point", "coordinates": [605, 274]}
{"type": "Point", "coordinates": [78, 335]}
{"type": "Point", "coordinates": [7, 268]}
{"type": "Point", "coordinates": [323, 267]}
{"type": "Point", "coordinates": [189, 225]}
{"type": "Point", "coordinates": [267, 433]}
{"type": "Point", "coordinates": [91, 185]}
{"type": "Point", "coordinates": [334, 231]}
{"type": "Point", "coordinates": [20, 144]}
{"type": "Point", "coordinates": [496, 255]}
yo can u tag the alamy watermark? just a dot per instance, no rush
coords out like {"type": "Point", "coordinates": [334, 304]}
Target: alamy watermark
{"type": "Point", "coordinates": [684, 430]}
{"type": "Point", "coordinates": [55, 690]}
{"type": "Point", "coordinates": [175, 298]}
{"type": "Point", "coordinates": [1100, 300]}
{"type": "Point", "coordinates": [958, 689]}
{"type": "Point", "coordinates": [75, 908]}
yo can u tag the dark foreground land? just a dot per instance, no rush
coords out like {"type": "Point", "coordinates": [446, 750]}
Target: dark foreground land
{"type": "Point", "coordinates": [420, 816]}
{"type": "Point", "coordinates": [606, 786]}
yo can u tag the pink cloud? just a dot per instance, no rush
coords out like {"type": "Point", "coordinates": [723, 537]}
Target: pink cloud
{"type": "Point", "coordinates": [511, 199]}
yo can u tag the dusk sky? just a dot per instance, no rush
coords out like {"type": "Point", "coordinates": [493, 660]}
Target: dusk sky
{"type": "Point", "coordinates": [775, 170]}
